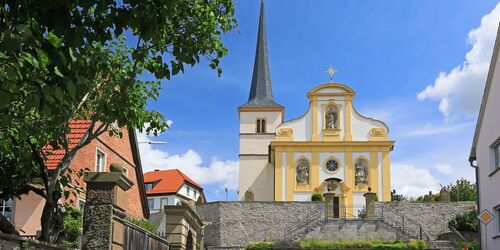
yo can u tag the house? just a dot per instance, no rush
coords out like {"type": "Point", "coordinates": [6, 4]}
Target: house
{"type": "Point", "coordinates": [99, 155]}
{"type": "Point", "coordinates": [170, 187]}
{"type": "Point", "coordinates": [485, 154]}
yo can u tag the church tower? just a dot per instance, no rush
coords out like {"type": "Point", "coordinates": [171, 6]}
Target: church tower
{"type": "Point", "coordinates": [259, 118]}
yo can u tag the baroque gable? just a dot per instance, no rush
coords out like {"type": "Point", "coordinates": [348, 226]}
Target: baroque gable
{"type": "Point", "coordinates": [332, 117]}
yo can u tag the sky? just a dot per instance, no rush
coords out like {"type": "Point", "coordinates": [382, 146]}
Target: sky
{"type": "Point", "coordinates": [418, 65]}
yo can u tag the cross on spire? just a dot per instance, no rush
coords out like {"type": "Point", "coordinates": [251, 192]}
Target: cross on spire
{"type": "Point", "coordinates": [331, 71]}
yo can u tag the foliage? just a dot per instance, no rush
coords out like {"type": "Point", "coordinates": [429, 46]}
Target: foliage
{"type": "Point", "coordinates": [144, 224]}
{"type": "Point", "coordinates": [426, 198]}
{"type": "Point", "coordinates": [317, 197]}
{"type": "Point", "coordinates": [465, 222]}
{"type": "Point", "coordinates": [397, 197]}
{"type": "Point", "coordinates": [260, 245]}
{"type": "Point", "coordinates": [462, 190]}
{"type": "Point", "coordinates": [73, 226]}
{"type": "Point", "coordinates": [63, 60]}
{"type": "Point", "coordinates": [320, 244]}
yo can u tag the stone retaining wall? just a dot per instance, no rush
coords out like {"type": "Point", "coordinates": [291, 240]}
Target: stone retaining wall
{"type": "Point", "coordinates": [433, 216]}
{"type": "Point", "coordinates": [8, 241]}
{"type": "Point", "coordinates": [235, 224]}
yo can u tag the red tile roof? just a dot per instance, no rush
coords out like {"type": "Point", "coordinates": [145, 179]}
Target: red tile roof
{"type": "Point", "coordinates": [77, 131]}
{"type": "Point", "coordinates": [167, 181]}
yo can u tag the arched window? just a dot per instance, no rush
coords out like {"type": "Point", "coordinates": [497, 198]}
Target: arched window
{"type": "Point", "coordinates": [258, 126]}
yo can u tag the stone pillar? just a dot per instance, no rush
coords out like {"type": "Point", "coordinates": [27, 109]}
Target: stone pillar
{"type": "Point", "coordinates": [105, 198]}
{"type": "Point", "coordinates": [329, 205]}
{"type": "Point", "coordinates": [370, 199]}
{"type": "Point", "coordinates": [183, 223]}
{"type": "Point", "coordinates": [444, 195]}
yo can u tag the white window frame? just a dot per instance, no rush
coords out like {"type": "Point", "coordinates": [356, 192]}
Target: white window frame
{"type": "Point", "coordinates": [81, 204]}
{"type": "Point", "coordinates": [188, 188]}
{"type": "Point", "coordinates": [97, 152]}
{"type": "Point", "coordinates": [161, 202]}
{"type": "Point", "coordinates": [495, 155]}
{"type": "Point", "coordinates": [496, 213]}
{"type": "Point", "coordinates": [153, 203]}
{"type": "Point", "coordinates": [3, 206]}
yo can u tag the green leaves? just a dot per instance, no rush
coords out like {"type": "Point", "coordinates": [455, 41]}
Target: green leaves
{"type": "Point", "coordinates": [61, 61]}
{"type": "Point", "coordinates": [54, 40]}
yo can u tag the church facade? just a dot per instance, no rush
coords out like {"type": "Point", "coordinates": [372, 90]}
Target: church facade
{"type": "Point", "coordinates": [331, 148]}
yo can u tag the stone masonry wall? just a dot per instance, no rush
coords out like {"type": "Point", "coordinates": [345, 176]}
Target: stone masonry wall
{"type": "Point", "coordinates": [433, 216]}
{"type": "Point", "coordinates": [235, 224]}
{"type": "Point", "coordinates": [8, 241]}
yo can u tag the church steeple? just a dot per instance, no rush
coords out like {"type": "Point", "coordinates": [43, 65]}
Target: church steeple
{"type": "Point", "coordinates": [261, 93]}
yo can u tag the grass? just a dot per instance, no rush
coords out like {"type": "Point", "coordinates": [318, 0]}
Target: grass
{"type": "Point", "coordinates": [353, 244]}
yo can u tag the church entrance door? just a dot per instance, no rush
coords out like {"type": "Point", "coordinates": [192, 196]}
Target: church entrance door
{"type": "Point", "coordinates": [336, 207]}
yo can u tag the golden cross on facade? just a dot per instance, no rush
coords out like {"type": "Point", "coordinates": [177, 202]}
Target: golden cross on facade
{"type": "Point", "coordinates": [331, 71]}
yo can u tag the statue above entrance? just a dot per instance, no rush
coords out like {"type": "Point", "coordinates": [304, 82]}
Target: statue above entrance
{"type": "Point", "coordinates": [331, 117]}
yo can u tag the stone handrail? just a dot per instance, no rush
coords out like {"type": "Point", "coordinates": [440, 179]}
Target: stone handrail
{"type": "Point", "coordinates": [409, 226]}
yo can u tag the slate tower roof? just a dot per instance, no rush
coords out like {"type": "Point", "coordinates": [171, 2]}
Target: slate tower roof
{"type": "Point", "coordinates": [261, 92]}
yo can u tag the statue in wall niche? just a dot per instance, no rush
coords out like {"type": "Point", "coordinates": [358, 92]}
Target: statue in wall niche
{"type": "Point", "coordinates": [249, 196]}
{"type": "Point", "coordinates": [332, 185]}
{"type": "Point", "coordinates": [361, 176]}
{"type": "Point", "coordinates": [302, 172]}
{"type": "Point", "coordinates": [331, 117]}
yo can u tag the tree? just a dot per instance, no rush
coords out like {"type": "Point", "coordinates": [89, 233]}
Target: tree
{"type": "Point", "coordinates": [397, 197]}
{"type": "Point", "coordinates": [462, 190]}
{"type": "Point", "coordinates": [465, 222]}
{"type": "Point", "coordinates": [66, 60]}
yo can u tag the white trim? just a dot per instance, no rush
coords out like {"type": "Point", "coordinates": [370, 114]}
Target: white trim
{"type": "Point", "coordinates": [97, 151]}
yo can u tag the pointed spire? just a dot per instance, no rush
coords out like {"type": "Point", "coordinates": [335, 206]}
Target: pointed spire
{"type": "Point", "coordinates": [261, 92]}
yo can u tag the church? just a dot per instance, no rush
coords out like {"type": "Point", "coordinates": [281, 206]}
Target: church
{"type": "Point", "coordinates": [331, 148]}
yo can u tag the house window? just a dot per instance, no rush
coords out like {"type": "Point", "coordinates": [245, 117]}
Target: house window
{"type": "Point", "coordinates": [188, 191]}
{"type": "Point", "coordinates": [261, 126]}
{"type": "Point", "coordinates": [81, 204]}
{"type": "Point", "coordinates": [149, 186]}
{"type": "Point", "coordinates": [495, 152]}
{"type": "Point", "coordinates": [163, 202]}
{"type": "Point", "coordinates": [151, 204]}
{"type": "Point", "coordinates": [497, 213]}
{"type": "Point", "coordinates": [6, 208]}
{"type": "Point", "coordinates": [195, 194]}
{"type": "Point", "coordinates": [100, 160]}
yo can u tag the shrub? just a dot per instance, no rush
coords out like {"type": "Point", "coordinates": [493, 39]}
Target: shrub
{"type": "Point", "coordinates": [466, 222]}
{"type": "Point", "coordinates": [317, 197]}
{"type": "Point", "coordinates": [73, 224]}
{"type": "Point", "coordinates": [316, 244]}
{"type": "Point", "coordinates": [260, 245]}
{"type": "Point", "coordinates": [144, 224]}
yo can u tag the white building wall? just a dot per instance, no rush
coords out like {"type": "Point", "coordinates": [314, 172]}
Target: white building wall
{"type": "Point", "coordinates": [489, 181]}
{"type": "Point", "coordinates": [255, 172]}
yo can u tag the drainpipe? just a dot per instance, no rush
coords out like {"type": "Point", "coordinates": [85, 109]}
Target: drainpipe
{"type": "Point", "coordinates": [476, 169]}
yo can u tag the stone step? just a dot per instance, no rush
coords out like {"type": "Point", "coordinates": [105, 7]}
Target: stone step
{"type": "Point", "coordinates": [444, 245]}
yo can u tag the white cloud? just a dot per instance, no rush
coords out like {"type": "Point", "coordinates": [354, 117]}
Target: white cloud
{"type": "Point", "coordinates": [222, 173]}
{"type": "Point", "coordinates": [459, 91]}
{"type": "Point", "coordinates": [429, 129]}
{"type": "Point", "coordinates": [412, 181]}
{"type": "Point", "coordinates": [444, 168]}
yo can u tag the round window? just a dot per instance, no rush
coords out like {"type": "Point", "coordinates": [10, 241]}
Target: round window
{"type": "Point", "coordinates": [332, 165]}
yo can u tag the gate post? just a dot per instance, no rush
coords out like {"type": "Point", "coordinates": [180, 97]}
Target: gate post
{"type": "Point", "coordinates": [370, 199]}
{"type": "Point", "coordinates": [105, 198]}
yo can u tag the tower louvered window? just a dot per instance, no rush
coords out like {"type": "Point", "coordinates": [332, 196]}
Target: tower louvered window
{"type": "Point", "coordinates": [261, 126]}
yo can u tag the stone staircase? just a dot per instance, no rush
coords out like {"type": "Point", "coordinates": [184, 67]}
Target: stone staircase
{"type": "Point", "coordinates": [444, 245]}
{"type": "Point", "coordinates": [356, 229]}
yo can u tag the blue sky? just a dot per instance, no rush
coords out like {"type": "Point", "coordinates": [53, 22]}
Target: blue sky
{"type": "Point", "coordinates": [419, 65]}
